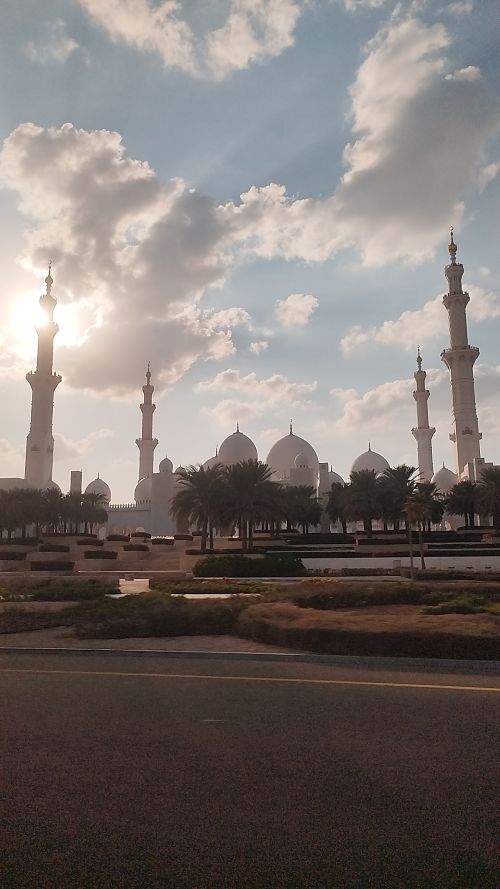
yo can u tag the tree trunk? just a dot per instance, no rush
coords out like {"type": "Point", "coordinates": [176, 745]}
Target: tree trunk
{"type": "Point", "coordinates": [344, 526]}
{"type": "Point", "coordinates": [421, 545]}
{"type": "Point", "coordinates": [211, 533]}
{"type": "Point", "coordinates": [203, 544]}
{"type": "Point", "coordinates": [410, 541]}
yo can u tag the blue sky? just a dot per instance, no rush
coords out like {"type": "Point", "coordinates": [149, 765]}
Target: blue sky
{"type": "Point", "coordinates": [141, 142]}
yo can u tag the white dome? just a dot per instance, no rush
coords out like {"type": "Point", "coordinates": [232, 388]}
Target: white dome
{"type": "Point", "coordinates": [144, 489]}
{"type": "Point", "coordinates": [99, 487]}
{"type": "Point", "coordinates": [51, 486]}
{"type": "Point", "coordinates": [236, 448]}
{"type": "Point", "coordinates": [370, 460]}
{"type": "Point", "coordinates": [212, 461]}
{"type": "Point", "coordinates": [14, 484]}
{"type": "Point", "coordinates": [444, 479]}
{"type": "Point", "coordinates": [281, 457]}
{"type": "Point", "coordinates": [301, 461]}
{"type": "Point", "coordinates": [335, 479]}
{"type": "Point", "coordinates": [166, 465]}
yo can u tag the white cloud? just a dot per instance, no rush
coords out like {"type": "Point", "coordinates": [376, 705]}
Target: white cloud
{"type": "Point", "coordinates": [258, 346]}
{"type": "Point", "coordinates": [422, 325]}
{"type": "Point", "coordinates": [460, 7]}
{"type": "Point", "coordinates": [72, 449]}
{"type": "Point", "coordinates": [253, 31]}
{"type": "Point", "coordinates": [271, 390]}
{"type": "Point", "coordinates": [296, 309]}
{"type": "Point", "coordinates": [54, 44]}
{"type": "Point", "coordinates": [469, 73]}
{"type": "Point", "coordinates": [229, 412]}
{"type": "Point", "coordinates": [418, 141]}
{"type": "Point", "coordinates": [353, 5]}
{"type": "Point", "coordinates": [139, 252]}
{"type": "Point", "coordinates": [487, 174]}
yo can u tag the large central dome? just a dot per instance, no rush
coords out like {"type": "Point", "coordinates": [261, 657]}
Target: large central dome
{"type": "Point", "coordinates": [281, 458]}
{"type": "Point", "coordinates": [236, 448]}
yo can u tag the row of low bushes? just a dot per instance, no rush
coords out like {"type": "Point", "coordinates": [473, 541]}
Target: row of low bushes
{"type": "Point", "coordinates": [238, 565]}
{"type": "Point", "coordinates": [55, 589]}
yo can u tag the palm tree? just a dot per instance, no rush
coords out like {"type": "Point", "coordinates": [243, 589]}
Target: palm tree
{"type": "Point", "coordinates": [301, 506]}
{"type": "Point", "coordinates": [336, 506]}
{"type": "Point", "coordinates": [199, 497]}
{"type": "Point", "coordinates": [462, 500]}
{"type": "Point", "coordinates": [248, 492]}
{"type": "Point", "coordinates": [397, 484]}
{"type": "Point", "coordinates": [363, 498]}
{"type": "Point", "coordinates": [420, 508]}
{"type": "Point", "coordinates": [488, 494]}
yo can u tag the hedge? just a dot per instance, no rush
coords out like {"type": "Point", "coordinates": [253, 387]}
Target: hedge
{"type": "Point", "coordinates": [140, 534]}
{"type": "Point", "coordinates": [90, 542]}
{"type": "Point", "coordinates": [12, 556]}
{"type": "Point", "coordinates": [183, 536]}
{"type": "Point", "coordinates": [118, 538]}
{"type": "Point", "coordinates": [105, 554]}
{"type": "Point", "coordinates": [163, 541]}
{"type": "Point", "coordinates": [287, 565]}
{"type": "Point", "coordinates": [136, 548]}
{"type": "Point", "coordinates": [53, 548]}
{"type": "Point", "coordinates": [52, 566]}
{"type": "Point", "coordinates": [20, 541]}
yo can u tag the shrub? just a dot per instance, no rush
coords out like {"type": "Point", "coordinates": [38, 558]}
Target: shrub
{"type": "Point", "coordinates": [118, 538]}
{"type": "Point", "coordinates": [143, 534]}
{"type": "Point", "coordinates": [95, 554]}
{"type": "Point", "coordinates": [52, 590]}
{"type": "Point", "coordinates": [90, 542]}
{"type": "Point", "coordinates": [238, 565]}
{"type": "Point", "coordinates": [203, 588]}
{"type": "Point", "coordinates": [53, 548]}
{"type": "Point", "coordinates": [163, 541]}
{"type": "Point", "coordinates": [52, 566]}
{"type": "Point", "coordinates": [460, 605]}
{"type": "Point", "coordinates": [20, 541]}
{"type": "Point", "coordinates": [12, 556]}
{"type": "Point", "coordinates": [136, 548]}
{"type": "Point", "coordinates": [183, 536]}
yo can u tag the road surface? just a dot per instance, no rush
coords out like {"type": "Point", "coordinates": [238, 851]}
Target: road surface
{"type": "Point", "coordinates": [141, 773]}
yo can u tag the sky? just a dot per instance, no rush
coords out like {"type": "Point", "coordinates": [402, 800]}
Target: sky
{"type": "Point", "coordinates": [256, 197]}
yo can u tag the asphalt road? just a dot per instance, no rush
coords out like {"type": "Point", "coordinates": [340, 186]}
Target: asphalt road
{"type": "Point", "coordinates": [143, 773]}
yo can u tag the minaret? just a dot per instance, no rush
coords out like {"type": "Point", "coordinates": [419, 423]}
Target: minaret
{"type": "Point", "coordinates": [43, 382]}
{"type": "Point", "coordinates": [146, 443]}
{"type": "Point", "coordinates": [423, 432]}
{"type": "Point", "coordinates": [460, 359]}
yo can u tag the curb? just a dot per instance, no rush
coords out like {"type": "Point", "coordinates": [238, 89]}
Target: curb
{"type": "Point", "coordinates": [424, 664]}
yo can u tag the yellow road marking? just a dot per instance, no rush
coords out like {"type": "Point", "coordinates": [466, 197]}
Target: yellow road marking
{"type": "Point", "coordinates": [361, 682]}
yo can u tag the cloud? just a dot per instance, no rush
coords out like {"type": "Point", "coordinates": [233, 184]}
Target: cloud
{"type": "Point", "coordinates": [460, 7]}
{"type": "Point", "coordinates": [421, 325]}
{"type": "Point", "coordinates": [275, 388]}
{"type": "Point", "coordinates": [230, 411]}
{"type": "Point", "coordinates": [469, 73]}
{"type": "Point", "coordinates": [354, 5]}
{"type": "Point", "coordinates": [54, 44]}
{"type": "Point", "coordinates": [254, 30]}
{"type": "Point", "coordinates": [72, 449]}
{"type": "Point", "coordinates": [296, 309]}
{"type": "Point", "coordinates": [258, 346]}
{"type": "Point", "coordinates": [487, 174]}
{"type": "Point", "coordinates": [140, 253]}
{"type": "Point", "coordinates": [418, 142]}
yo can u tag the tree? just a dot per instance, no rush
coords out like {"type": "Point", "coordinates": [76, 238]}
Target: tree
{"type": "Point", "coordinates": [488, 494]}
{"type": "Point", "coordinates": [422, 507]}
{"type": "Point", "coordinates": [249, 493]}
{"type": "Point", "coordinates": [462, 500]}
{"type": "Point", "coordinates": [363, 498]}
{"type": "Point", "coordinates": [301, 506]}
{"type": "Point", "coordinates": [397, 485]}
{"type": "Point", "coordinates": [199, 498]}
{"type": "Point", "coordinates": [336, 506]}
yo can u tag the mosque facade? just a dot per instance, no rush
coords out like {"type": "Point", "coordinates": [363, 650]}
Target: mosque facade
{"type": "Point", "coordinates": [292, 460]}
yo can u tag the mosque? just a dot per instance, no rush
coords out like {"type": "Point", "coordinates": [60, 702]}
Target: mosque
{"type": "Point", "coordinates": [292, 459]}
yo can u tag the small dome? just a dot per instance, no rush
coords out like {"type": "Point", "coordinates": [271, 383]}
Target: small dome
{"type": "Point", "coordinates": [51, 486]}
{"type": "Point", "coordinates": [166, 465]}
{"type": "Point", "coordinates": [370, 460]}
{"type": "Point", "coordinates": [99, 487]}
{"type": "Point", "coordinates": [144, 489]}
{"type": "Point", "coordinates": [335, 479]}
{"type": "Point", "coordinates": [236, 448]}
{"type": "Point", "coordinates": [212, 461]}
{"type": "Point", "coordinates": [301, 461]}
{"type": "Point", "coordinates": [444, 479]}
{"type": "Point", "coordinates": [281, 458]}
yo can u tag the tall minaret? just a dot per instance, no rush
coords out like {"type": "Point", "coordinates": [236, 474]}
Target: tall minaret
{"type": "Point", "coordinates": [460, 359]}
{"type": "Point", "coordinates": [43, 382]}
{"type": "Point", "coordinates": [423, 432]}
{"type": "Point", "coordinates": [146, 443]}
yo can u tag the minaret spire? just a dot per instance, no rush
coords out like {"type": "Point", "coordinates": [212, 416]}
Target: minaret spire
{"type": "Point", "coordinates": [460, 359]}
{"type": "Point", "coordinates": [43, 382]}
{"type": "Point", "coordinates": [146, 443]}
{"type": "Point", "coordinates": [423, 432]}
